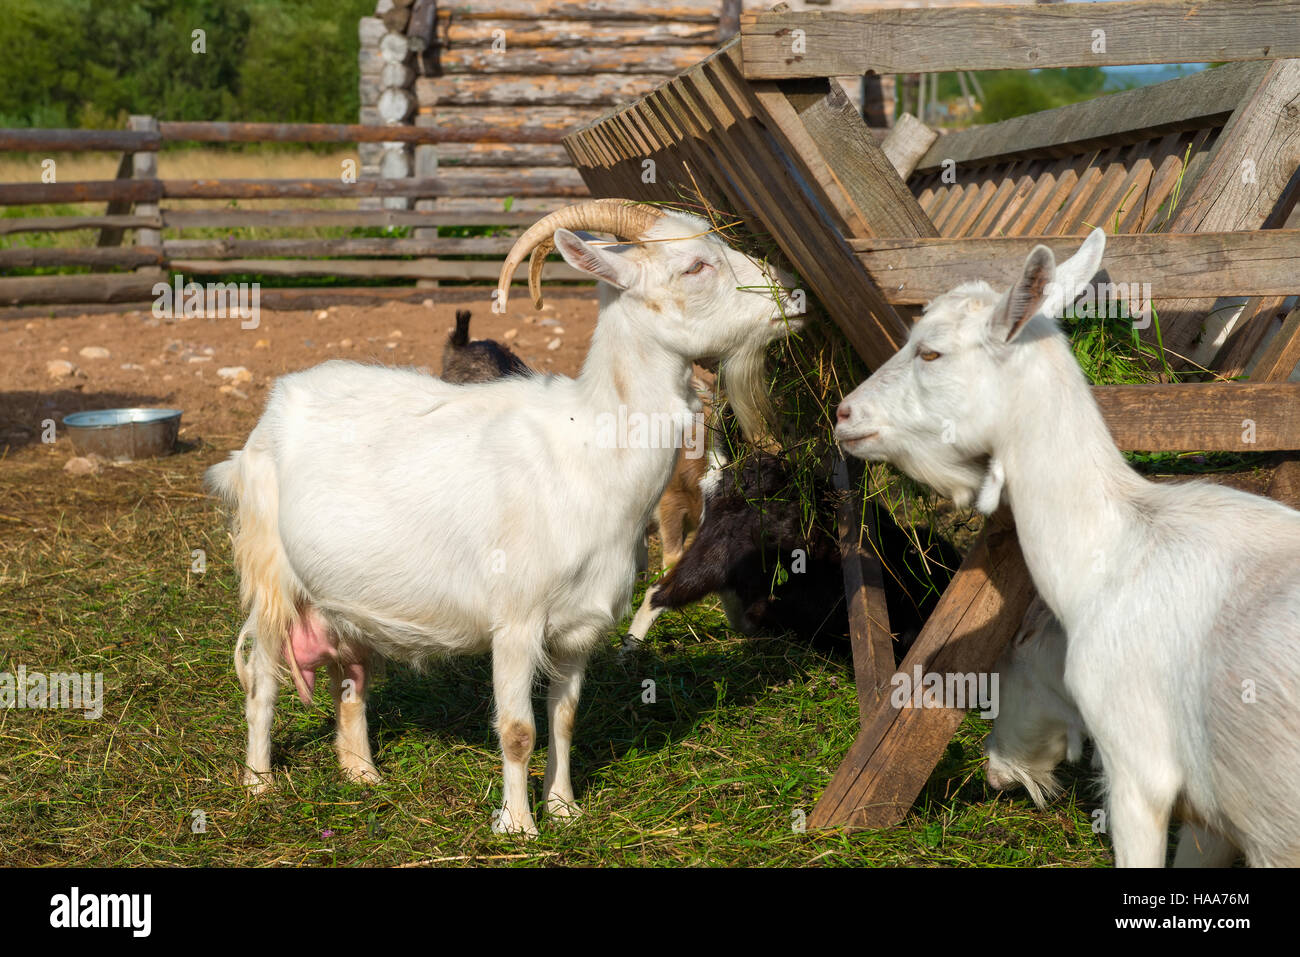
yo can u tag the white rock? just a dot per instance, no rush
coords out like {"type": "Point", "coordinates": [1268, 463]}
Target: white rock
{"type": "Point", "coordinates": [87, 465]}
{"type": "Point", "coordinates": [322, 314]}
{"type": "Point", "coordinates": [554, 344]}
{"type": "Point", "coordinates": [59, 368]}
{"type": "Point", "coordinates": [235, 374]}
{"type": "Point", "coordinates": [94, 352]}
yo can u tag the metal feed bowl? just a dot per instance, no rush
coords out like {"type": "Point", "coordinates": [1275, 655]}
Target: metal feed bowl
{"type": "Point", "coordinates": [121, 435]}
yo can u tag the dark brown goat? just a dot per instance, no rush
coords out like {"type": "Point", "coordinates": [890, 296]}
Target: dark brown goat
{"type": "Point", "coordinates": [479, 361]}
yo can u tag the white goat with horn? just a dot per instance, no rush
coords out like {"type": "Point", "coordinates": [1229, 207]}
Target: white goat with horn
{"type": "Point", "coordinates": [382, 511]}
{"type": "Point", "coordinates": [1181, 602]}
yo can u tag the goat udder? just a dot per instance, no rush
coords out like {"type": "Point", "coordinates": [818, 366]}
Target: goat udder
{"type": "Point", "coordinates": [310, 647]}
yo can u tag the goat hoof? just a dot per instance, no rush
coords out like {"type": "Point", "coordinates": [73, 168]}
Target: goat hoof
{"type": "Point", "coordinates": [562, 811]}
{"type": "Point", "coordinates": [362, 774]}
{"type": "Point", "coordinates": [257, 783]}
{"type": "Point", "coordinates": [504, 822]}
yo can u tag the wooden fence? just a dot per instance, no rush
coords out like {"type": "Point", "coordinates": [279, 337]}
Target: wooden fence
{"type": "Point", "coordinates": [136, 201]}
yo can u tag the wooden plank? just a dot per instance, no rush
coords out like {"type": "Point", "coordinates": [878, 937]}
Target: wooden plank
{"type": "Point", "coordinates": [1250, 179]}
{"type": "Point", "coordinates": [502, 154]}
{"type": "Point", "coordinates": [1203, 416]}
{"type": "Point", "coordinates": [102, 287]}
{"type": "Point", "coordinates": [412, 269]}
{"type": "Point", "coordinates": [536, 124]}
{"type": "Point", "coordinates": [896, 751]}
{"type": "Point", "coordinates": [870, 636]}
{"type": "Point", "coordinates": [579, 9]}
{"type": "Point", "coordinates": [1176, 265]}
{"type": "Point", "coordinates": [456, 32]}
{"type": "Point", "coordinates": [127, 141]}
{"type": "Point", "coordinates": [95, 191]}
{"type": "Point", "coordinates": [30, 257]}
{"type": "Point", "coordinates": [474, 213]}
{"type": "Point", "coordinates": [472, 184]}
{"type": "Point", "coordinates": [1282, 354]}
{"type": "Point", "coordinates": [1252, 326]}
{"type": "Point", "coordinates": [1191, 102]}
{"type": "Point", "coordinates": [906, 143]}
{"type": "Point", "coordinates": [253, 248]}
{"type": "Point", "coordinates": [337, 133]}
{"type": "Point", "coordinates": [1016, 37]}
{"type": "Point", "coordinates": [592, 89]}
{"type": "Point", "coordinates": [54, 224]}
{"type": "Point", "coordinates": [668, 61]}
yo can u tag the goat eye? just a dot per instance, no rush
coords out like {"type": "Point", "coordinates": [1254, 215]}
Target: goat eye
{"type": "Point", "coordinates": [929, 355]}
{"type": "Point", "coordinates": [697, 268]}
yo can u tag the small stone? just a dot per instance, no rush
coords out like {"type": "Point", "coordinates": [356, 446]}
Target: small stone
{"type": "Point", "coordinates": [132, 367]}
{"type": "Point", "coordinates": [390, 345]}
{"type": "Point", "coordinates": [262, 344]}
{"type": "Point", "coordinates": [200, 358]}
{"type": "Point", "coordinates": [322, 314]}
{"type": "Point", "coordinates": [395, 334]}
{"type": "Point", "coordinates": [345, 343]}
{"type": "Point", "coordinates": [509, 334]}
{"type": "Point", "coordinates": [231, 390]}
{"type": "Point", "coordinates": [235, 374]}
{"type": "Point", "coordinates": [94, 352]}
{"type": "Point", "coordinates": [428, 304]}
{"type": "Point", "coordinates": [63, 348]}
{"type": "Point", "coordinates": [30, 326]}
{"type": "Point", "coordinates": [59, 368]}
{"type": "Point", "coordinates": [208, 351]}
{"type": "Point", "coordinates": [550, 322]}
{"type": "Point", "coordinates": [83, 465]}
{"type": "Point", "coordinates": [554, 344]}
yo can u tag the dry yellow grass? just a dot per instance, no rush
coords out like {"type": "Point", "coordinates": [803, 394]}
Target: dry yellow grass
{"type": "Point", "coordinates": [183, 164]}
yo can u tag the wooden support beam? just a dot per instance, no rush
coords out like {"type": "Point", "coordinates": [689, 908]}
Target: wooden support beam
{"type": "Point", "coordinates": [1174, 265]}
{"type": "Point", "coordinates": [1202, 416]}
{"type": "Point", "coordinates": [478, 214]}
{"type": "Point", "coordinates": [465, 269]}
{"type": "Point", "coordinates": [475, 184]}
{"type": "Point", "coordinates": [898, 748]}
{"type": "Point", "coordinates": [128, 141]}
{"type": "Point", "coordinates": [907, 142]}
{"type": "Point", "coordinates": [940, 40]}
{"type": "Point", "coordinates": [864, 588]}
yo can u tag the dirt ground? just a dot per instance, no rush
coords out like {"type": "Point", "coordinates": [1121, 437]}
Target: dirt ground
{"type": "Point", "coordinates": [175, 363]}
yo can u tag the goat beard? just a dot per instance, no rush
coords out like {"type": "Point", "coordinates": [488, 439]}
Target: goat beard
{"type": "Point", "coordinates": [744, 378]}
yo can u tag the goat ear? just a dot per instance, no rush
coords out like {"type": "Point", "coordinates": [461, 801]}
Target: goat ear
{"type": "Point", "coordinates": [594, 261]}
{"type": "Point", "coordinates": [1073, 274]}
{"type": "Point", "coordinates": [1025, 298]}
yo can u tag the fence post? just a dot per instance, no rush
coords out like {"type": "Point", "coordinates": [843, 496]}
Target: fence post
{"type": "Point", "coordinates": [145, 166]}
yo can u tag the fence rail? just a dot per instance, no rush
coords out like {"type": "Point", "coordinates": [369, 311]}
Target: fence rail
{"type": "Point", "coordinates": [137, 204]}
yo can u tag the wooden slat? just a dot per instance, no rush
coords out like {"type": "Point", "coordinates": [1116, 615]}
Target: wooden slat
{"type": "Point", "coordinates": [456, 32]}
{"type": "Point", "coordinates": [1191, 102]}
{"type": "Point", "coordinates": [592, 89]}
{"type": "Point", "coordinates": [253, 248]}
{"type": "Point", "coordinates": [471, 184]}
{"type": "Point", "coordinates": [471, 214]}
{"type": "Point", "coordinates": [296, 133]}
{"type": "Point", "coordinates": [668, 61]}
{"type": "Point", "coordinates": [54, 224]}
{"type": "Point", "coordinates": [370, 268]}
{"type": "Point", "coordinates": [1202, 416]}
{"type": "Point", "coordinates": [126, 190]}
{"type": "Point", "coordinates": [1282, 354]}
{"type": "Point", "coordinates": [102, 287]}
{"type": "Point", "coordinates": [578, 10]}
{"type": "Point", "coordinates": [28, 257]}
{"type": "Point", "coordinates": [1016, 38]}
{"type": "Point", "coordinates": [128, 141]}
{"type": "Point", "coordinates": [1177, 265]}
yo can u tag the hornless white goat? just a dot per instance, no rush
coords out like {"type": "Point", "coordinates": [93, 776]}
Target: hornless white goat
{"type": "Point", "coordinates": [383, 511]}
{"type": "Point", "coordinates": [1038, 726]}
{"type": "Point", "coordinates": [1181, 602]}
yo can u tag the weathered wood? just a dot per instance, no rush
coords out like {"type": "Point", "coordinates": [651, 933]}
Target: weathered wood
{"type": "Point", "coordinates": [104, 287]}
{"type": "Point", "coordinates": [470, 184]}
{"type": "Point", "coordinates": [28, 257]}
{"type": "Point", "coordinates": [501, 154]}
{"type": "Point", "coordinates": [1190, 102]}
{"type": "Point", "coordinates": [318, 133]}
{"type": "Point", "coordinates": [54, 224]}
{"type": "Point", "coordinates": [1016, 38]}
{"type": "Point", "coordinates": [113, 235]}
{"type": "Point", "coordinates": [864, 587]}
{"type": "Point", "coordinates": [535, 124]}
{"type": "Point", "coordinates": [145, 170]}
{"type": "Point", "coordinates": [592, 89]}
{"type": "Point", "coordinates": [1262, 262]}
{"type": "Point", "coordinates": [95, 191]}
{"type": "Point", "coordinates": [1249, 180]}
{"type": "Point", "coordinates": [455, 32]}
{"type": "Point", "coordinates": [559, 60]}
{"type": "Point", "coordinates": [421, 33]}
{"type": "Point", "coordinates": [128, 141]}
{"type": "Point", "coordinates": [1281, 355]}
{"type": "Point", "coordinates": [412, 269]}
{"type": "Point", "coordinates": [898, 748]}
{"type": "Point", "coordinates": [907, 142]}
{"type": "Point", "coordinates": [253, 248]}
{"type": "Point", "coordinates": [578, 10]}
{"type": "Point", "coordinates": [522, 213]}
{"type": "Point", "coordinates": [1202, 416]}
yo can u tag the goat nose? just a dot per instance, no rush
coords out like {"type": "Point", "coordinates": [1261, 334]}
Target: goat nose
{"type": "Point", "coordinates": [843, 412]}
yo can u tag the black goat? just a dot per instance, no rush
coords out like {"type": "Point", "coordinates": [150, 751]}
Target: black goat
{"type": "Point", "coordinates": [479, 361]}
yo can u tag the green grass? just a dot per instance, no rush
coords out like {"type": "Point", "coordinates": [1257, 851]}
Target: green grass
{"type": "Point", "coordinates": [743, 735]}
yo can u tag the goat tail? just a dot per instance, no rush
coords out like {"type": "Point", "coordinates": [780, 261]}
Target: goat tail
{"type": "Point", "coordinates": [268, 589]}
{"type": "Point", "coordinates": [460, 338]}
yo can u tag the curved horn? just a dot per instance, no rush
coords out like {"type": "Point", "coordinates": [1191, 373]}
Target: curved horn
{"type": "Point", "coordinates": [624, 218]}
